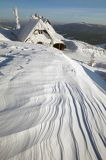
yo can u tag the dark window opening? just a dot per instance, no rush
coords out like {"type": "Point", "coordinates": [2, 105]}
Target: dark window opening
{"type": "Point", "coordinates": [60, 46]}
{"type": "Point", "coordinates": [40, 31]}
{"type": "Point", "coordinates": [39, 43]}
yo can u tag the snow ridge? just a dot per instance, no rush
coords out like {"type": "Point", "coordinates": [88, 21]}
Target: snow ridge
{"type": "Point", "coordinates": [50, 108]}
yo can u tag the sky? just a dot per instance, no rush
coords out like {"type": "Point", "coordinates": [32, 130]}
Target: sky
{"type": "Point", "coordinates": [58, 11]}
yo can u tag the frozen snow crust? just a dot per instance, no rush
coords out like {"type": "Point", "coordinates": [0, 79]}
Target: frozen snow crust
{"type": "Point", "coordinates": [50, 108]}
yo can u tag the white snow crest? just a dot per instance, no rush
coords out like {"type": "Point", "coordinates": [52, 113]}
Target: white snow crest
{"type": "Point", "coordinates": [50, 108]}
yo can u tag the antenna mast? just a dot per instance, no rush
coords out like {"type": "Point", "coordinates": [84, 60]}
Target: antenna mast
{"type": "Point", "coordinates": [15, 12]}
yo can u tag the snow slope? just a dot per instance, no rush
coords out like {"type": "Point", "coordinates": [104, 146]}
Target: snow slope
{"type": "Point", "coordinates": [5, 34]}
{"type": "Point", "coordinates": [84, 48]}
{"type": "Point", "coordinates": [102, 45]}
{"type": "Point", "coordinates": [82, 52]}
{"type": "Point", "coordinates": [3, 38]}
{"type": "Point", "coordinates": [50, 107]}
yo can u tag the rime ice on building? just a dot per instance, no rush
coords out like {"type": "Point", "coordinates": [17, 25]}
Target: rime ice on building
{"type": "Point", "coordinates": [39, 31]}
{"type": "Point", "coordinates": [15, 12]}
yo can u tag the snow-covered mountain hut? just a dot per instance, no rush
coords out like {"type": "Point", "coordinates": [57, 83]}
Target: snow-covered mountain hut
{"type": "Point", "coordinates": [39, 31]}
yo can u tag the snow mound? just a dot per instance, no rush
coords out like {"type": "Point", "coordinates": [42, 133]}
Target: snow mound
{"type": "Point", "coordinates": [84, 48]}
{"type": "Point", "coordinates": [3, 38]}
{"type": "Point", "coordinates": [6, 35]}
{"type": "Point", "coordinates": [50, 106]}
{"type": "Point", "coordinates": [102, 45]}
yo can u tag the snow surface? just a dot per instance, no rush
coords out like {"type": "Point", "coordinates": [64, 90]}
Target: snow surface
{"type": "Point", "coordinates": [6, 34]}
{"type": "Point", "coordinates": [3, 38]}
{"type": "Point", "coordinates": [103, 45]}
{"type": "Point", "coordinates": [51, 107]}
{"type": "Point", "coordinates": [82, 52]}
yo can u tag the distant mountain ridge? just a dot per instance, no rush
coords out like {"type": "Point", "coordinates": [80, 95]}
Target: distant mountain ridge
{"type": "Point", "coordinates": [82, 27]}
{"type": "Point", "coordinates": [90, 33]}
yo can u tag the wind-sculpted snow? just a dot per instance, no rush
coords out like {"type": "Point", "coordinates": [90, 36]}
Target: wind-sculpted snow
{"type": "Point", "coordinates": [50, 109]}
{"type": "Point", "coordinates": [84, 49]}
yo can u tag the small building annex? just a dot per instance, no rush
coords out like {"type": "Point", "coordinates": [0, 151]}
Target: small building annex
{"type": "Point", "coordinates": [40, 31]}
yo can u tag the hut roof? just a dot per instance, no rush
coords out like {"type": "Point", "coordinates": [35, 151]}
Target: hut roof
{"type": "Point", "coordinates": [39, 24]}
{"type": "Point", "coordinates": [27, 30]}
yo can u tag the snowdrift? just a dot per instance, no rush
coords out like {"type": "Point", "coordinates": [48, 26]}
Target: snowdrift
{"type": "Point", "coordinates": [84, 48]}
{"type": "Point", "coordinates": [3, 38]}
{"type": "Point", "coordinates": [5, 35]}
{"type": "Point", "coordinates": [50, 107]}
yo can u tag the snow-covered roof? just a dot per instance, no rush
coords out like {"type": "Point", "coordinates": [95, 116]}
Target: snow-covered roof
{"type": "Point", "coordinates": [39, 24]}
{"type": "Point", "coordinates": [26, 31]}
{"type": "Point", "coordinates": [49, 27]}
{"type": "Point", "coordinates": [40, 38]}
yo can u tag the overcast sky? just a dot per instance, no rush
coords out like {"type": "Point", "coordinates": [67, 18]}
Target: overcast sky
{"type": "Point", "coordinates": [58, 11]}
